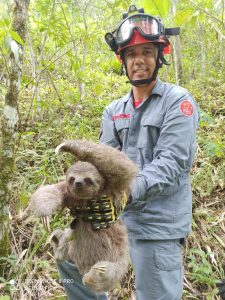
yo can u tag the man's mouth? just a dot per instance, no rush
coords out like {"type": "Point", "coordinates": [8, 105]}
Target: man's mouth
{"type": "Point", "coordinates": [140, 70]}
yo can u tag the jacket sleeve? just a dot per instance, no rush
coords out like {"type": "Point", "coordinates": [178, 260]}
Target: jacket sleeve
{"type": "Point", "coordinates": [174, 152]}
{"type": "Point", "coordinates": [108, 133]}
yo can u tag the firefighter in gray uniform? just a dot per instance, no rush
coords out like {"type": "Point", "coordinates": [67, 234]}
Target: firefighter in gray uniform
{"type": "Point", "coordinates": [155, 125]}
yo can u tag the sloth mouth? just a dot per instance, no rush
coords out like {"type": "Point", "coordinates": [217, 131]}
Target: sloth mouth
{"type": "Point", "coordinates": [84, 194]}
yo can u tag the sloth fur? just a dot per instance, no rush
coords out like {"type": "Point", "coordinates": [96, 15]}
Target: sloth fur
{"type": "Point", "coordinates": [100, 255]}
{"type": "Point", "coordinates": [221, 287]}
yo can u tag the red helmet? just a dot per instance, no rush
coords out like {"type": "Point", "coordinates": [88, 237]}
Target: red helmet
{"type": "Point", "coordinates": [139, 28]}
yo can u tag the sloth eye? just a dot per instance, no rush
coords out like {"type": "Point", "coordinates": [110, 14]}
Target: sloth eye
{"type": "Point", "coordinates": [88, 180]}
{"type": "Point", "coordinates": [71, 180]}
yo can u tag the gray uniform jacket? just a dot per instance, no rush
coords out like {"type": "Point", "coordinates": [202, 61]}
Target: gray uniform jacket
{"type": "Point", "coordinates": [160, 137]}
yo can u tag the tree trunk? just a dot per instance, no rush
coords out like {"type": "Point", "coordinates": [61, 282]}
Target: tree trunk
{"type": "Point", "coordinates": [222, 47]}
{"type": "Point", "coordinates": [9, 122]}
{"type": "Point", "coordinates": [203, 54]}
{"type": "Point", "coordinates": [177, 51]}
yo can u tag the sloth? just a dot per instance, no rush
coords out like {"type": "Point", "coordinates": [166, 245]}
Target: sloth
{"type": "Point", "coordinates": [95, 190]}
{"type": "Point", "coordinates": [221, 287]}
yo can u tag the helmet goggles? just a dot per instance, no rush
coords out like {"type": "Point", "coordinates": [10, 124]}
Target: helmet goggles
{"type": "Point", "coordinates": [148, 26]}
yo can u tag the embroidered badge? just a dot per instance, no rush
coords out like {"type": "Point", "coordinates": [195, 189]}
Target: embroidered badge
{"type": "Point", "coordinates": [186, 108]}
{"type": "Point", "coordinates": [121, 116]}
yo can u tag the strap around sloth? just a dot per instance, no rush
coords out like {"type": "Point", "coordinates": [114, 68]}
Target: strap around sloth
{"type": "Point", "coordinates": [99, 212]}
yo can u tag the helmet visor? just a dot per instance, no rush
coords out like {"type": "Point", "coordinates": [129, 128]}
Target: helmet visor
{"type": "Point", "coordinates": [148, 27]}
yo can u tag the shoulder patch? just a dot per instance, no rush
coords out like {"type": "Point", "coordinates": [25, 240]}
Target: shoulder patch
{"type": "Point", "coordinates": [186, 108]}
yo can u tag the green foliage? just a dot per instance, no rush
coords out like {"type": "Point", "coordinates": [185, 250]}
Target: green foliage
{"type": "Point", "coordinates": [201, 267]}
{"type": "Point", "coordinates": [208, 174]}
{"type": "Point", "coordinates": [4, 28]}
{"type": "Point", "coordinates": [65, 52]}
{"type": "Point", "coordinates": [157, 8]}
{"type": "Point", "coordinates": [16, 37]}
{"type": "Point", "coordinates": [11, 259]}
{"type": "Point", "coordinates": [202, 271]}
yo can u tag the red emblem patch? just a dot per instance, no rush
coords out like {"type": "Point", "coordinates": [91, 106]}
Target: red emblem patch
{"type": "Point", "coordinates": [121, 116]}
{"type": "Point", "coordinates": [186, 108]}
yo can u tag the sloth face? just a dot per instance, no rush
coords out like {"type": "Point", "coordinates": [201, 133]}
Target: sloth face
{"type": "Point", "coordinates": [84, 181]}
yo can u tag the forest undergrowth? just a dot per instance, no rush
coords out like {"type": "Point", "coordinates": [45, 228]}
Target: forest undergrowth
{"type": "Point", "coordinates": [31, 269]}
{"type": "Point", "coordinates": [68, 77]}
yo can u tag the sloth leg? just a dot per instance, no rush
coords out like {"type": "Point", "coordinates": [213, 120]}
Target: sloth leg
{"type": "Point", "coordinates": [104, 275]}
{"type": "Point", "coordinates": [60, 241]}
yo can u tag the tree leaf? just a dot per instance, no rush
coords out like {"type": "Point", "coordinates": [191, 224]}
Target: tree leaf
{"type": "Point", "coordinates": [7, 43]}
{"type": "Point", "coordinates": [16, 37]}
{"type": "Point", "coordinates": [2, 35]}
{"type": "Point", "coordinates": [158, 8]}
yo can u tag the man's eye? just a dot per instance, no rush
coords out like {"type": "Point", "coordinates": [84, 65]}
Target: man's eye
{"type": "Point", "coordinates": [130, 55]}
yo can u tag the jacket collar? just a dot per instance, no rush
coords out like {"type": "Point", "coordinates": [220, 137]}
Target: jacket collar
{"type": "Point", "coordinates": [158, 89]}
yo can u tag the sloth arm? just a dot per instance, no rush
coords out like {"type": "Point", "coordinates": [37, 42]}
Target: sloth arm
{"type": "Point", "coordinates": [108, 160]}
{"type": "Point", "coordinates": [47, 199]}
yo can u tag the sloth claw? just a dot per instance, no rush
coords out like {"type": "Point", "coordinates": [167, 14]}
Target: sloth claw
{"type": "Point", "coordinates": [100, 269]}
{"type": "Point", "coordinates": [58, 148]}
{"type": "Point", "coordinates": [45, 221]}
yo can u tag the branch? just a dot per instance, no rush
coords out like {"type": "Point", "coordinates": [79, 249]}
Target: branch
{"type": "Point", "coordinates": [46, 34]}
{"type": "Point", "coordinates": [67, 23]}
{"type": "Point", "coordinates": [223, 7]}
{"type": "Point", "coordinates": [208, 14]}
{"type": "Point", "coordinates": [49, 65]}
{"type": "Point", "coordinates": [218, 31]}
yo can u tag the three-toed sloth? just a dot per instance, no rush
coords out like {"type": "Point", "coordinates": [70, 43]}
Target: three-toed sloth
{"type": "Point", "coordinates": [94, 191]}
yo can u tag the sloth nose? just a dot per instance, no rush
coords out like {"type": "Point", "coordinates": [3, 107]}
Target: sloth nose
{"type": "Point", "coordinates": [78, 183]}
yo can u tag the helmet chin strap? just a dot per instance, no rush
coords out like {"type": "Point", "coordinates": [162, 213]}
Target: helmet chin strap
{"type": "Point", "coordinates": [142, 82]}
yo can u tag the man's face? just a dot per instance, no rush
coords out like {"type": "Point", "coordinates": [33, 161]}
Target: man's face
{"type": "Point", "coordinates": [141, 61]}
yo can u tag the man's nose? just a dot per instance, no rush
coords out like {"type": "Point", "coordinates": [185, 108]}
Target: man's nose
{"type": "Point", "coordinates": [139, 59]}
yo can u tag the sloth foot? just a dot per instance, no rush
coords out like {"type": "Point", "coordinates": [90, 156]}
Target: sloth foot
{"type": "Point", "coordinates": [59, 240]}
{"type": "Point", "coordinates": [100, 277]}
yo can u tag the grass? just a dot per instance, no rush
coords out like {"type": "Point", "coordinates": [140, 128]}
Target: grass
{"type": "Point", "coordinates": [31, 272]}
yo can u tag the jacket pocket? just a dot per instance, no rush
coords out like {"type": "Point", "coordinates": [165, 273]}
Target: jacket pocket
{"type": "Point", "coordinates": [121, 124]}
{"type": "Point", "coordinates": [150, 218]}
{"type": "Point", "coordinates": [155, 120]}
{"type": "Point", "coordinates": [122, 127]}
{"type": "Point", "coordinates": [150, 130]}
{"type": "Point", "coordinates": [168, 262]}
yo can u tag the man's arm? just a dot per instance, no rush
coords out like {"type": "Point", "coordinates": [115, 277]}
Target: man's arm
{"type": "Point", "coordinates": [108, 133]}
{"type": "Point", "coordinates": [174, 152]}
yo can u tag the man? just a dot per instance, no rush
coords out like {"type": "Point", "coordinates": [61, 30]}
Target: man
{"type": "Point", "coordinates": [155, 125]}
